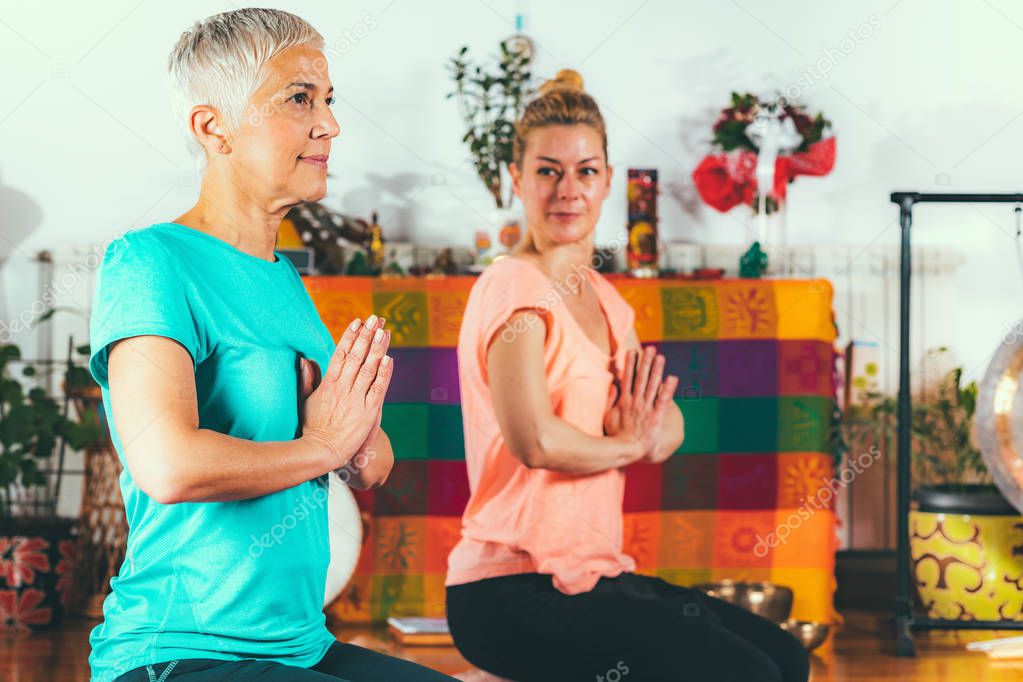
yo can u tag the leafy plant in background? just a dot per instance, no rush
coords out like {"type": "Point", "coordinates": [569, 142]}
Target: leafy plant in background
{"type": "Point", "coordinates": [78, 377]}
{"type": "Point", "coordinates": [490, 101]}
{"type": "Point", "coordinates": [31, 426]}
{"type": "Point", "coordinates": [730, 128]}
{"type": "Point", "coordinates": [942, 450]}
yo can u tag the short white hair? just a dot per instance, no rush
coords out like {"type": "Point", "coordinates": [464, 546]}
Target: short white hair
{"type": "Point", "coordinates": [222, 61]}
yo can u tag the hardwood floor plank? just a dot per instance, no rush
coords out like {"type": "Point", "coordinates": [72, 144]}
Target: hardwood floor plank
{"type": "Point", "coordinates": [862, 650]}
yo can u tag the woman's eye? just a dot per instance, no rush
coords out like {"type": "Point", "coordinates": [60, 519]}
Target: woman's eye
{"type": "Point", "coordinates": [301, 97]}
{"type": "Point", "coordinates": [588, 171]}
{"type": "Point", "coordinates": [330, 101]}
{"type": "Point", "coordinates": [547, 171]}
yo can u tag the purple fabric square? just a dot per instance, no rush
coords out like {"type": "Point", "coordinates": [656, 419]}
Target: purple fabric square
{"type": "Point", "coordinates": [747, 368]}
{"type": "Point", "coordinates": [695, 365]}
{"type": "Point", "coordinates": [443, 374]}
{"type": "Point", "coordinates": [410, 382]}
{"type": "Point", "coordinates": [424, 375]}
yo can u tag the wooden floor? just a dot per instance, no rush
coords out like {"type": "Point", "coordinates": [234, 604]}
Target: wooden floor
{"type": "Point", "coordinates": [860, 651]}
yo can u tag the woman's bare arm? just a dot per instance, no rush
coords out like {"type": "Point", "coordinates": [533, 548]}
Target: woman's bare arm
{"type": "Point", "coordinates": [531, 430]}
{"type": "Point", "coordinates": [153, 397]}
{"type": "Point", "coordinates": [371, 465]}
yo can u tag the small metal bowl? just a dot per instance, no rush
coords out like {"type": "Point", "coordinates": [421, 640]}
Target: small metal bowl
{"type": "Point", "coordinates": [810, 635]}
{"type": "Point", "coordinates": [773, 602]}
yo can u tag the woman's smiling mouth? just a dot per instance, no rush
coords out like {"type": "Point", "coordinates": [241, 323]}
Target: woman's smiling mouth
{"type": "Point", "coordinates": [564, 216]}
{"type": "Point", "coordinates": [320, 161]}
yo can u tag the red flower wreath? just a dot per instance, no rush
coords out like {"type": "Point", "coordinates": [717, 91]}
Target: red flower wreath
{"type": "Point", "coordinates": [728, 178]}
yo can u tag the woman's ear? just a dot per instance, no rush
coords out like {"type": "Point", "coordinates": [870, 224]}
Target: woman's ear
{"type": "Point", "coordinates": [204, 122]}
{"type": "Point", "coordinates": [516, 178]}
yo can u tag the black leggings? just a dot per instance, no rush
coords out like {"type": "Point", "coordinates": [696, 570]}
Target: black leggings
{"type": "Point", "coordinates": [341, 662]}
{"type": "Point", "coordinates": [633, 628]}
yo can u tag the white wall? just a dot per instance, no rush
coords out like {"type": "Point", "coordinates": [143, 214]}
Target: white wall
{"type": "Point", "coordinates": [88, 148]}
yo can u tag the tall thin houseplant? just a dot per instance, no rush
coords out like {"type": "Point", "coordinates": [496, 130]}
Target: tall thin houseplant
{"type": "Point", "coordinates": [490, 100]}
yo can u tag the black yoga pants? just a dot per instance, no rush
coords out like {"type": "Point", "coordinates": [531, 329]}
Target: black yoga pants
{"type": "Point", "coordinates": [631, 628]}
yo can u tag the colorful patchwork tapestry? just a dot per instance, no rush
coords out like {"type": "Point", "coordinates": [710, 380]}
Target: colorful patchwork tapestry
{"type": "Point", "coordinates": [749, 495]}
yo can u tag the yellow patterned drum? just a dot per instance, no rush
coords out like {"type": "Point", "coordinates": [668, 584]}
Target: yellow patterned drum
{"type": "Point", "coordinates": [968, 567]}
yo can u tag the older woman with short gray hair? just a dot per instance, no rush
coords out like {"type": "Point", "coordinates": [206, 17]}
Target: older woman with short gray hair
{"type": "Point", "coordinates": [228, 401]}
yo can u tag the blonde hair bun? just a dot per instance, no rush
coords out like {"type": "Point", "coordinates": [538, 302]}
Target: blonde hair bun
{"type": "Point", "coordinates": [566, 79]}
{"type": "Point", "coordinates": [562, 101]}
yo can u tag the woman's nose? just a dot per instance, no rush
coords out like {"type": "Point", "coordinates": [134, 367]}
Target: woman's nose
{"type": "Point", "coordinates": [569, 186]}
{"type": "Point", "coordinates": [327, 126]}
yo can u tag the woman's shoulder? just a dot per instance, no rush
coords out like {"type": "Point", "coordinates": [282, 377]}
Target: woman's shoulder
{"type": "Point", "coordinates": [507, 284]}
{"type": "Point", "coordinates": [512, 273]}
{"type": "Point", "coordinates": [142, 253]}
{"type": "Point", "coordinates": [506, 266]}
{"type": "Point", "coordinates": [142, 240]}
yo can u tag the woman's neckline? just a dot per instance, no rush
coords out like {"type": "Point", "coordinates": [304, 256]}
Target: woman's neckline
{"type": "Point", "coordinates": [590, 274]}
{"type": "Point", "coordinates": [230, 247]}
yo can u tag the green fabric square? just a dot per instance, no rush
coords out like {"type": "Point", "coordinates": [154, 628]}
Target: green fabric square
{"type": "Point", "coordinates": [689, 312]}
{"type": "Point", "coordinates": [804, 423]}
{"type": "Point", "coordinates": [748, 425]}
{"type": "Point", "coordinates": [701, 425]}
{"type": "Point", "coordinates": [447, 439]}
{"type": "Point", "coordinates": [407, 425]}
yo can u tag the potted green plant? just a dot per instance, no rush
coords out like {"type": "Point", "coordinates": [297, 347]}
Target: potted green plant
{"type": "Point", "coordinates": [79, 386]}
{"type": "Point", "coordinates": [964, 535]}
{"type": "Point", "coordinates": [490, 100]}
{"type": "Point", "coordinates": [37, 552]}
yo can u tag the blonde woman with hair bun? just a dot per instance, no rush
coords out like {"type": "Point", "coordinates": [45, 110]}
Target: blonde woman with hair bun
{"type": "Point", "coordinates": [557, 397]}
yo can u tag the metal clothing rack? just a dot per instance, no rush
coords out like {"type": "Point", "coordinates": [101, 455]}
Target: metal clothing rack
{"type": "Point", "coordinates": [905, 622]}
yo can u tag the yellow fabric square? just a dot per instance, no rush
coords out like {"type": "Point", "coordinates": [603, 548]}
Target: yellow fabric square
{"type": "Point", "coordinates": [434, 596]}
{"type": "Point", "coordinates": [353, 604]}
{"type": "Point", "coordinates": [690, 312]}
{"type": "Point", "coordinates": [686, 577]}
{"type": "Point", "coordinates": [407, 316]}
{"type": "Point", "coordinates": [813, 594]}
{"type": "Point", "coordinates": [804, 309]}
{"type": "Point", "coordinates": [742, 574]}
{"type": "Point", "coordinates": [746, 310]}
{"type": "Point", "coordinates": [795, 531]}
{"type": "Point", "coordinates": [645, 299]}
{"type": "Point", "coordinates": [338, 307]}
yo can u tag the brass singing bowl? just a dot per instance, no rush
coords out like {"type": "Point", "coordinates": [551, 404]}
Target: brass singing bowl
{"type": "Point", "coordinates": [773, 602]}
{"type": "Point", "coordinates": [998, 421]}
{"type": "Point", "coordinates": [810, 635]}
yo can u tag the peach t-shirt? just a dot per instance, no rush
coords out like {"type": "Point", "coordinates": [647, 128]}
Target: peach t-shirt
{"type": "Point", "coordinates": [521, 520]}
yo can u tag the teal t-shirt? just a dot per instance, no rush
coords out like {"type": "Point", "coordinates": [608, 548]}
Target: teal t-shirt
{"type": "Point", "coordinates": [223, 580]}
